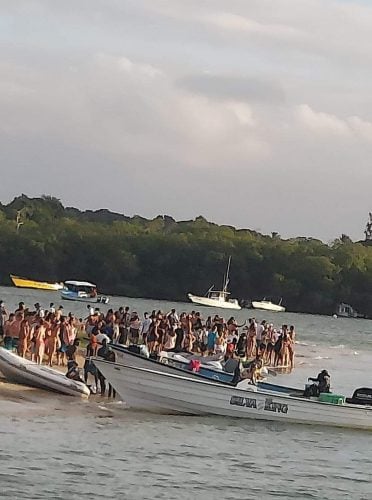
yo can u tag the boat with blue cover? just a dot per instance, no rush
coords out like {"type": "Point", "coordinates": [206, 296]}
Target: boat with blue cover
{"type": "Point", "coordinates": [175, 364]}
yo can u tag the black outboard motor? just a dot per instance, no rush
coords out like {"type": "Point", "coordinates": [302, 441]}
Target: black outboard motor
{"type": "Point", "coordinates": [362, 396]}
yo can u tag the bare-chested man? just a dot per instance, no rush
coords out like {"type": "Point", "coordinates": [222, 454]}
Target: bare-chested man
{"type": "Point", "coordinates": [8, 325]}
{"type": "Point", "coordinates": [39, 335]}
{"type": "Point", "coordinates": [11, 330]}
{"type": "Point", "coordinates": [24, 337]}
{"type": "Point", "coordinates": [54, 342]}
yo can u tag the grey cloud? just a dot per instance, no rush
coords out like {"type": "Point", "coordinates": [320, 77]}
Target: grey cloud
{"type": "Point", "coordinates": [96, 109]}
{"type": "Point", "coordinates": [239, 88]}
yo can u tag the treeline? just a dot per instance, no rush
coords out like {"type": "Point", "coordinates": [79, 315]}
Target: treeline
{"type": "Point", "coordinates": [165, 259]}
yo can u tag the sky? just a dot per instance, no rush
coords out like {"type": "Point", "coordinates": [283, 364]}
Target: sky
{"type": "Point", "coordinates": [253, 114]}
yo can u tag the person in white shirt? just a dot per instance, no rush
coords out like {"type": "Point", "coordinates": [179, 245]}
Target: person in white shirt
{"type": "Point", "coordinates": [102, 336]}
{"type": "Point", "coordinates": [145, 326]}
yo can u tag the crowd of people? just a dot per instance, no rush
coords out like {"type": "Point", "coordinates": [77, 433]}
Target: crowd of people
{"type": "Point", "coordinates": [49, 335]}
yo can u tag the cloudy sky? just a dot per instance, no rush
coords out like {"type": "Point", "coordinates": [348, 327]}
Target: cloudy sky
{"type": "Point", "coordinates": [256, 113]}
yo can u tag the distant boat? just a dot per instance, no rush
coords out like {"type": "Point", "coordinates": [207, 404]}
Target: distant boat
{"type": "Point", "coordinates": [267, 305]}
{"type": "Point", "coordinates": [346, 311]}
{"type": "Point", "coordinates": [82, 291]}
{"type": "Point", "coordinates": [217, 298]}
{"type": "Point", "coordinates": [40, 285]}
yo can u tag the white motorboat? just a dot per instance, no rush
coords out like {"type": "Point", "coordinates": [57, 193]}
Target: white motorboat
{"type": "Point", "coordinates": [181, 365]}
{"type": "Point", "coordinates": [22, 371]}
{"type": "Point", "coordinates": [217, 298]}
{"type": "Point", "coordinates": [82, 291]}
{"type": "Point", "coordinates": [161, 392]}
{"type": "Point", "coordinates": [346, 311]}
{"type": "Point", "coordinates": [267, 305]}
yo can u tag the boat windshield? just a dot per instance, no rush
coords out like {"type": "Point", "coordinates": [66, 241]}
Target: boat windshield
{"type": "Point", "coordinates": [218, 295]}
{"type": "Point", "coordinates": [89, 290]}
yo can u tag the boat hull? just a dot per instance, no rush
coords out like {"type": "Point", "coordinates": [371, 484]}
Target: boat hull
{"type": "Point", "coordinates": [152, 390]}
{"type": "Point", "coordinates": [205, 301]}
{"type": "Point", "coordinates": [267, 306]}
{"type": "Point", "coordinates": [39, 285]}
{"type": "Point", "coordinates": [65, 295]}
{"type": "Point", "coordinates": [21, 371]}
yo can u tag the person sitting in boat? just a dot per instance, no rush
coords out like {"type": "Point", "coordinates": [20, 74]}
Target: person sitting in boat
{"type": "Point", "coordinates": [253, 372]}
{"type": "Point", "coordinates": [322, 384]}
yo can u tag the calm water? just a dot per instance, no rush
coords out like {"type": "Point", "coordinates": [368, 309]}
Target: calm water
{"type": "Point", "coordinates": [55, 447]}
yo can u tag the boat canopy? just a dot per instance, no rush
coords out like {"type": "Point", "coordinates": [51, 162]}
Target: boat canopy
{"type": "Point", "coordinates": [80, 283]}
{"type": "Point", "coordinates": [218, 293]}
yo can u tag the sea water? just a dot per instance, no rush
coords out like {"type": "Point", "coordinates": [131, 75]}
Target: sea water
{"type": "Point", "coordinates": [58, 447]}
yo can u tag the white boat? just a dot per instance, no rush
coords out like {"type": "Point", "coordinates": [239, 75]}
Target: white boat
{"type": "Point", "coordinates": [267, 305]}
{"type": "Point", "coordinates": [346, 311]}
{"type": "Point", "coordinates": [160, 392]}
{"type": "Point", "coordinates": [82, 291]}
{"type": "Point", "coordinates": [22, 371]}
{"type": "Point", "coordinates": [217, 298]}
{"type": "Point", "coordinates": [181, 365]}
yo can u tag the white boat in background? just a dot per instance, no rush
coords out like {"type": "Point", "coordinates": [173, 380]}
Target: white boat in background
{"type": "Point", "coordinates": [22, 371]}
{"type": "Point", "coordinates": [161, 392]}
{"type": "Point", "coordinates": [82, 291]}
{"type": "Point", "coordinates": [346, 311]}
{"type": "Point", "coordinates": [217, 298]}
{"type": "Point", "coordinates": [267, 305]}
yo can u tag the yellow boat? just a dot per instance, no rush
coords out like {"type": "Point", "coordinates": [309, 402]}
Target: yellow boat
{"type": "Point", "coordinates": [40, 285]}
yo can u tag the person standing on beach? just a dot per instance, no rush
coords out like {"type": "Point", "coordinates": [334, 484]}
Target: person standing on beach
{"type": "Point", "coordinates": [62, 346]}
{"type": "Point", "coordinates": [291, 345]}
{"type": "Point", "coordinates": [69, 332]}
{"type": "Point", "coordinates": [24, 337]}
{"type": "Point", "coordinates": [3, 316]}
{"type": "Point", "coordinates": [14, 329]}
{"type": "Point", "coordinates": [54, 342]}
{"type": "Point", "coordinates": [145, 326]}
{"type": "Point", "coordinates": [39, 335]}
{"type": "Point", "coordinates": [8, 328]}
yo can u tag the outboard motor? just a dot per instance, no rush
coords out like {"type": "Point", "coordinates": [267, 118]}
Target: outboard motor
{"type": "Point", "coordinates": [362, 396]}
